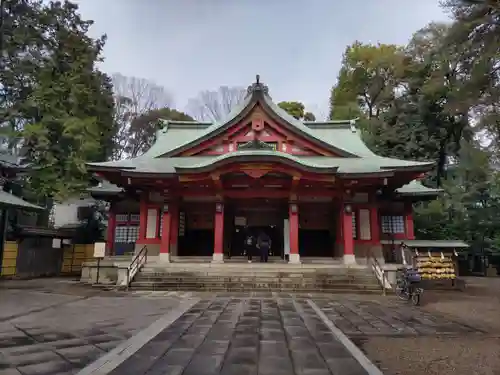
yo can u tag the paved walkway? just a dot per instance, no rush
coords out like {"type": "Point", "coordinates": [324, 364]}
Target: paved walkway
{"type": "Point", "coordinates": [56, 333]}
{"type": "Point", "coordinates": [236, 336]}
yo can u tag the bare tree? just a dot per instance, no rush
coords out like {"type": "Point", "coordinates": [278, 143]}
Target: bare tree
{"type": "Point", "coordinates": [144, 95]}
{"type": "Point", "coordinates": [134, 98]}
{"type": "Point", "coordinates": [215, 105]}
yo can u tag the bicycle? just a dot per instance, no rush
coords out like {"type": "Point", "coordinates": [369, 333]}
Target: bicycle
{"type": "Point", "coordinates": [406, 286]}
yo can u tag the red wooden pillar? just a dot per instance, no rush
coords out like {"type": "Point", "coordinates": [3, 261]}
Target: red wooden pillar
{"type": "Point", "coordinates": [165, 235]}
{"type": "Point", "coordinates": [174, 228]}
{"type": "Point", "coordinates": [293, 213]}
{"type": "Point", "coordinates": [374, 224]}
{"type": "Point", "coordinates": [410, 232]}
{"type": "Point", "coordinates": [143, 219]}
{"type": "Point", "coordinates": [110, 238]}
{"type": "Point", "coordinates": [218, 255]}
{"type": "Point", "coordinates": [347, 230]}
{"type": "Point", "coordinates": [339, 234]}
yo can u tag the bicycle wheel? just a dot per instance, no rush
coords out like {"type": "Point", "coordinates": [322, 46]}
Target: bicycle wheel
{"type": "Point", "coordinates": [415, 298]}
{"type": "Point", "coordinates": [402, 293]}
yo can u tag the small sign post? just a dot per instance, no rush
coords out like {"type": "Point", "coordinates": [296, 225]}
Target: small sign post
{"type": "Point", "coordinates": [99, 253]}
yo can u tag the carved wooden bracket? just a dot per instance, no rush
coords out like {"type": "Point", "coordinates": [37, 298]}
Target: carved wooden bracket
{"type": "Point", "coordinates": [217, 181]}
{"type": "Point", "coordinates": [255, 173]}
{"type": "Point", "coordinates": [295, 182]}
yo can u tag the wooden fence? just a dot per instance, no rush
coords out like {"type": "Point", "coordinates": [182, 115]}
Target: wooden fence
{"type": "Point", "coordinates": [35, 258]}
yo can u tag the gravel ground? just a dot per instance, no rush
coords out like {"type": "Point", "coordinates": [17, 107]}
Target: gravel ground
{"type": "Point", "coordinates": [478, 306]}
{"type": "Point", "coordinates": [435, 355]}
{"type": "Point", "coordinates": [477, 354]}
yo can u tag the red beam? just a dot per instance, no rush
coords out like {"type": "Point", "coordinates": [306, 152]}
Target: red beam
{"type": "Point", "coordinates": [213, 141]}
{"type": "Point", "coordinates": [259, 193]}
{"type": "Point", "coordinates": [256, 181]}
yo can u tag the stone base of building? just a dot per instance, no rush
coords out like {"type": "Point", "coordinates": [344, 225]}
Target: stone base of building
{"type": "Point", "coordinates": [294, 259]}
{"type": "Point", "coordinates": [218, 258]}
{"type": "Point", "coordinates": [164, 257]}
{"type": "Point", "coordinates": [349, 259]}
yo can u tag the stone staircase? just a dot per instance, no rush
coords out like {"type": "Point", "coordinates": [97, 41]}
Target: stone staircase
{"type": "Point", "coordinates": [256, 277]}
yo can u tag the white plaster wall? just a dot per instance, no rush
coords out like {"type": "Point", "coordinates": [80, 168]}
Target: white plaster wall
{"type": "Point", "coordinates": [66, 213]}
{"type": "Point", "coordinates": [364, 225]}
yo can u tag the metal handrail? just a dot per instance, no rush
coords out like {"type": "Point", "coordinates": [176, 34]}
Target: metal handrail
{"type": "Point", "coordinates": [380, 274]}
{"type": "Point", "coordinates": [139, 260]}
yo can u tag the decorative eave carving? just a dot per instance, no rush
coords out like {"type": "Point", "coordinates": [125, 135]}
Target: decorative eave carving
{"type": "Point", "coordinates": [256, 144]}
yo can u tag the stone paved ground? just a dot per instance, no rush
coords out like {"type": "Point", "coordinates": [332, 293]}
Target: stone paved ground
{"type": "Point", "coordinates": [391, 318]}
{"type": "Point", "coordinates": [67, 331]}
{"type": "Point", "coordinates": [263, 333]}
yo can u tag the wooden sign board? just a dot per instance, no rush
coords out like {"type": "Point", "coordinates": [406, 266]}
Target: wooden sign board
{"type": "Point", "coordinates": [240, 221]}
{"type": "Point", "coordinates": [99, 249]}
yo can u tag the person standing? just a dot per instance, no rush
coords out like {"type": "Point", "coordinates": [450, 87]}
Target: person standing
{"type": "Point", "coordinates": [249, 245]}
{"type": "Point", "coordinates": [264, 245]}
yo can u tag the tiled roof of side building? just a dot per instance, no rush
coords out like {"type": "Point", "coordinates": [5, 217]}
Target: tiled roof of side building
{"type": "Point", "coordinates": [416, 188]}
{"type": "Point", "coordinates": [10, 200]}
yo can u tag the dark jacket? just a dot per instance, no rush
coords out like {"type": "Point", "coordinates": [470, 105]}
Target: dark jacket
{"type": "Point", "coordinates": [263, 241]}
{"type": "Point", "coordinates": [249, 240]}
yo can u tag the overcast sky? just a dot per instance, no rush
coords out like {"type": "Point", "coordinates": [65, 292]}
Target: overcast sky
{"type": "Point", "coordinates": [295, 45]}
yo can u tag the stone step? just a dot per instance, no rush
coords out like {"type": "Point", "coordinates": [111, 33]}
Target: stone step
{"type": "Point", "coordinates": [252, 284]}
{"type": "Point", "coordinates": [254, 264]}
{"type": "Point", "coordinates": [283, 278]}
{"type": "Point", "coordinates": [256, 277]}
{"type": "Point", "coordinates": [254, 272]}
{"type": "Point", "coordinates": [244, 278]}
{"type": "Point", "coordinates": [254, 281]}
{"type": "Point", "coordinates": [351, 289]}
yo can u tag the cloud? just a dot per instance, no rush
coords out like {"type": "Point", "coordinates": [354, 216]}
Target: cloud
{"type": "Point", "coordinates": [296, 46]}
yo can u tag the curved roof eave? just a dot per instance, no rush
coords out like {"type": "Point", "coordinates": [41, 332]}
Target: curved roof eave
{"type": "Point", "coordinates": [109, 166]}
{"type": "Point", "coordinates": [257, 156]}
{"type": "Point", "coordinates": [382, 173]}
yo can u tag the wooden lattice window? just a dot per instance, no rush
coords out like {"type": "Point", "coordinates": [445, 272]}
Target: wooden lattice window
{"type": "Point", "coordinates": [127, 228]}
{"type": "Point", "coordinates": [393, 224]}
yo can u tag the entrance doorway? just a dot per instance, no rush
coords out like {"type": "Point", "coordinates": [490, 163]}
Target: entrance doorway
{"type": "Point", "coordinates": [256, 216]}
{"type": "Point", "coordinates": [317, 230]}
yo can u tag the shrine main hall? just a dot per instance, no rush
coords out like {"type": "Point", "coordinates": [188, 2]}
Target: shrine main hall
{"type": "Point", "coordinates": [314, 187]}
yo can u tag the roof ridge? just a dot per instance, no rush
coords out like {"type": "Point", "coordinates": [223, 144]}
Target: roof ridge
{"type": "Point", "coordinates": [333, 124]}
{"type": "Point", "coordinates": [194, 122]}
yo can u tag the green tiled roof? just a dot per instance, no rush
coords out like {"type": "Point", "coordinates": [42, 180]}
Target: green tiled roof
{"type": "Point", "coordinates": [415, 188]}
{"type": "Point", "coordinates": [340, 165]}
{"type": "Point", "coordinates": [435, 243]}
{"type": "Point", "coordinates": [339, 136]}
{"type": "Point", "coordinates": [8, 200]}
{"type": "Point", "coordinates": [105, 187]}
{"type": "Point", "coordinates": [179, 135]}
{"type": "Point", "coordinates": [249, 154]}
